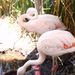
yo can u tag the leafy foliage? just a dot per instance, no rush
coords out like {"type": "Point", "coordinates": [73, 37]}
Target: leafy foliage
{"type": "Point", "coordinates": [66, 10]}
{"type": "Point", "coordinates": [14, 7]}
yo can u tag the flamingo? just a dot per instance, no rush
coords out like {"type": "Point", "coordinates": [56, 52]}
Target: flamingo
{"type": "Point", "coordinates": [39, 24]}
{"type": "Point", "coordinates": [52, 43]}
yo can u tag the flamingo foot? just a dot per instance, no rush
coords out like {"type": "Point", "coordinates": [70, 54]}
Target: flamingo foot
{"type": "Point", "coordinates": [36, 69]}
{"type": "Point", "coordinates": [54, 69]}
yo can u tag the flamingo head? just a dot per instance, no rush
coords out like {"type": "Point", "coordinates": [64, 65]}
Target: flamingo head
{"type": "Point", "coordinates": [23, 19]}
{"type": "Point", "coordinates": [32, 12]}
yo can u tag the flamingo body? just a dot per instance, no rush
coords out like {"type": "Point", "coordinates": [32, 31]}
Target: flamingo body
{"type": "Point", "coordinates": [53, 42]}
{"type": "Point", "coordinates": [41, 23]}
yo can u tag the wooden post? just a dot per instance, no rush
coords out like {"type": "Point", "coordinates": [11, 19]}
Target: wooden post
{"type": "Point", "coordinates": [39, 6]}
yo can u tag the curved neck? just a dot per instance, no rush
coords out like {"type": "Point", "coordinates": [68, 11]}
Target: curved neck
{"type": "Point", "coordinates": [38, 61]}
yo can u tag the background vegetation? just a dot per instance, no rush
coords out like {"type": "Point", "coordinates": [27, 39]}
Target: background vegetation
{"type": "Point", "coordinates": [65, 9]}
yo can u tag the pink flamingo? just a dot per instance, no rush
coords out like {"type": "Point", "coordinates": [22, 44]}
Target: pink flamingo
{"type": "Point", "coordinates": [33, 22]}
{"type": "Point", "coordinates": [53, 43]}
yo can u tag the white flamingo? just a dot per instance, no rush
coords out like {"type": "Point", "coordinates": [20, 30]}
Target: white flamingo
{"type": "Point", "coordinates": [33, 22]}
{"type": "Point", "coordinates": [53, 43]}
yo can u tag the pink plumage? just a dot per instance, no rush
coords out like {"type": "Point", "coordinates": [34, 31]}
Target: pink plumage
{"type": "Point", "coordinates": [39, 23]}
{"type": "Point", "coordinates": [53, 42]}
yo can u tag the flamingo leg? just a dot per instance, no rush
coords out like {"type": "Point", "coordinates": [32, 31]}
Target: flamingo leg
{"type": "Point", "coordinates": [54, 66]}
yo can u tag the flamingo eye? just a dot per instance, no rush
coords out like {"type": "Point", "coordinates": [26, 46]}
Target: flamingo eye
{"type": "Point", "coordinates": [33, 14]}
{"type": "Point", "coordinates": [25, 20]}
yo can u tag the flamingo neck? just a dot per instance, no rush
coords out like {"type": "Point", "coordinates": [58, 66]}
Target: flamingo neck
{"type": "Point", "coordinates": [38, 61]}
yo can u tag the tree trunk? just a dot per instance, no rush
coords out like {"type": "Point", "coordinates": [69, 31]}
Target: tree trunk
{"type": "Point", "coordinates": [39, 6]}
